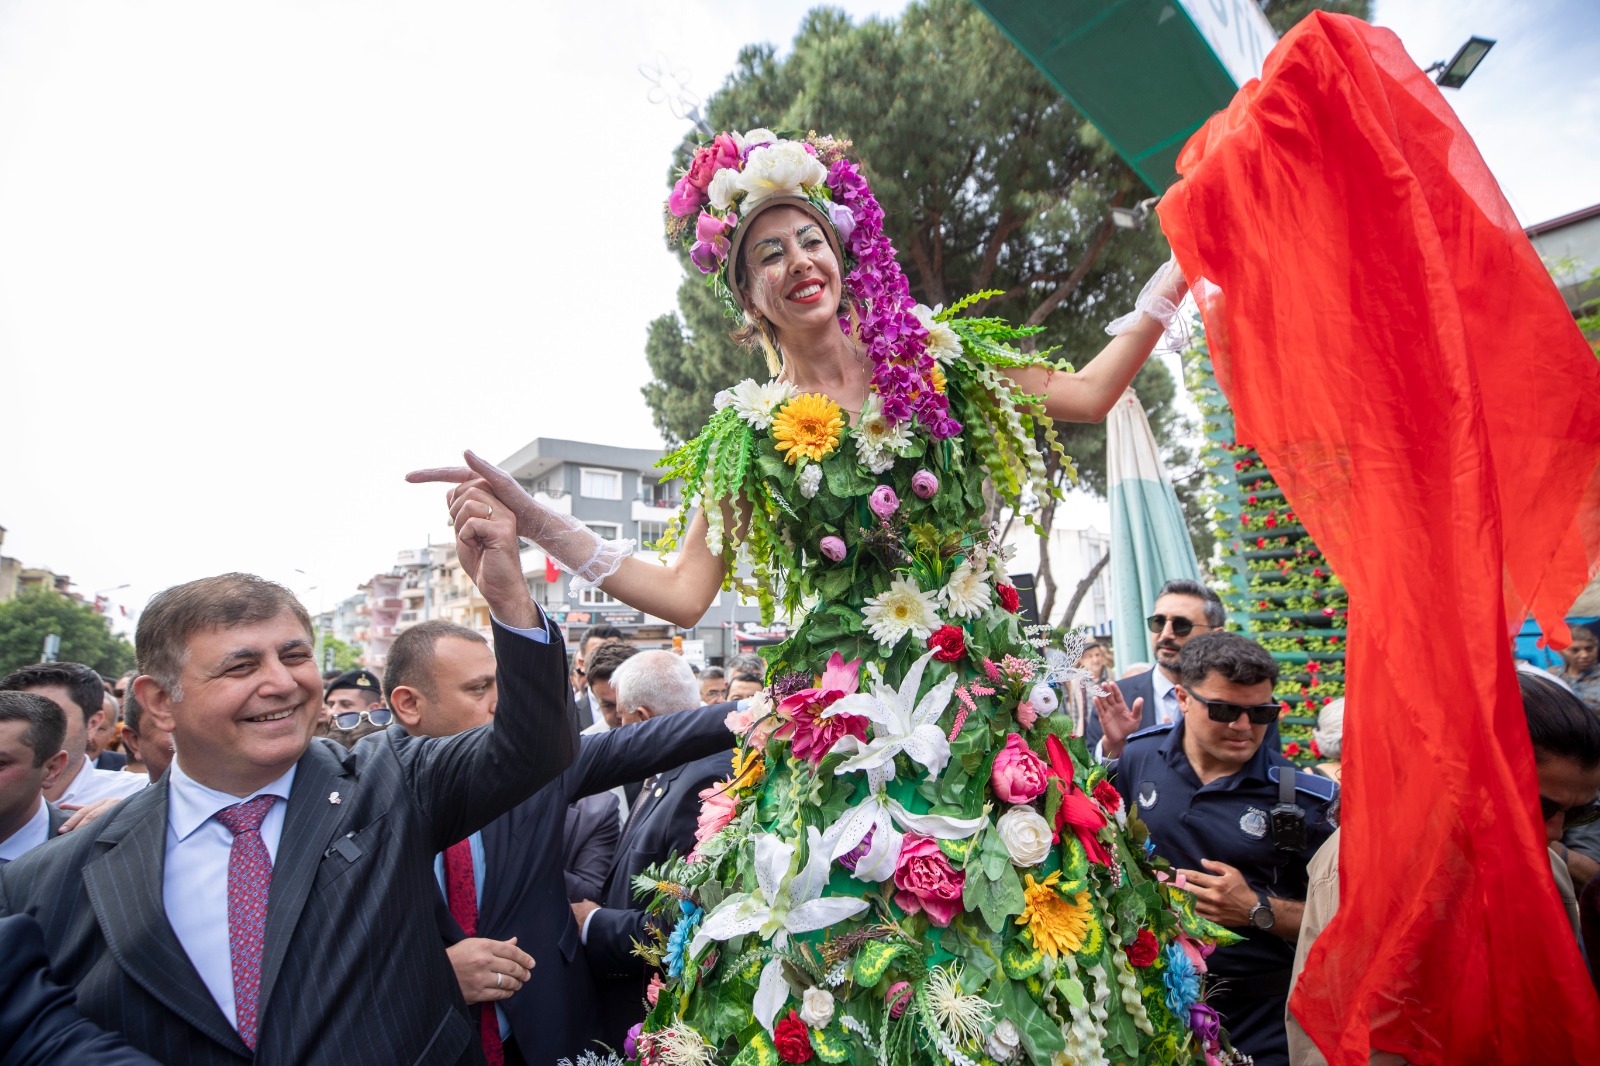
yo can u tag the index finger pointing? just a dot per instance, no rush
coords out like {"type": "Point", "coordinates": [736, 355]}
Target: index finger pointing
{"type": "Point", "coordinates": [454, 475]}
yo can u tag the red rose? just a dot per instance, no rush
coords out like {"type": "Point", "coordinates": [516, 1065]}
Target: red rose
{"type": "Point", "coordinates": [1008, 598]}
{"type": "Point", "coordinates": [792, 1038]}
{"type": "Point", "coordinates": [1108, 796]}
{"type": "Point", "coordinates": [1144, 949]}
{"type": "Point", "coordinates": [949, 644]}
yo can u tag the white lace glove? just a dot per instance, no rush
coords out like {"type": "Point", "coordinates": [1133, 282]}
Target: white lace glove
{"type": "Point", "coordinates": [576, 548]}
{"type": "Point", "coordinates": [1160, 299]}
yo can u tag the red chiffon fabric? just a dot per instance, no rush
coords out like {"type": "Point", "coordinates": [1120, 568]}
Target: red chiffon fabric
{"type": "Point", "coordinates": [1390, 342]}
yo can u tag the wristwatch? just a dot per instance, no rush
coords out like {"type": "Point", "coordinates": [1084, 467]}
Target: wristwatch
{"type": "Point", "coordinates": [1261, 915]}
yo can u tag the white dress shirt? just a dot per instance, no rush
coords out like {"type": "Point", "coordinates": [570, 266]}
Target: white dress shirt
{"type": "Point", "coordinates": [479, 871]}
{"type": "Point", "coordinates": [33, 833]}
{"type": "Point", "coordinates": [91, 784]}
{"type": "Point", "coordinates": [1166, 692]}
{"type": "Point", "coordinates": [194, 883]}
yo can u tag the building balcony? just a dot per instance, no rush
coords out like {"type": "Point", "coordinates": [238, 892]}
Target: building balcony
{"type": "Point", "coordinates": [561, 501]}
{"type": "Point", "coordinates": [644, 511]}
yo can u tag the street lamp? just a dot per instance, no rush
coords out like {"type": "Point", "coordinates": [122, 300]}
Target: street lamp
{"type": "Point", "coordinates": [1454, 74]}
{"type": "Point", "coordinates": [1133, 217]}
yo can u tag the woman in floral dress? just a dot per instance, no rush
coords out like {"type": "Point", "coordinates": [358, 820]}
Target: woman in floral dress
{"type": "Point", "coordinates": [914, 860]}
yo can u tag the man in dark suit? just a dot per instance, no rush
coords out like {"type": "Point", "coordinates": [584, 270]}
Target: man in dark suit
{"type": "Point", "coordinates": [661, 822]}
{"type": "Point", "coordinates": [39, 1024]}
{"type": "Point", "coordinates": [271, 899]}
{"type": "Point", "coordinates": [32, 730]}
{"type": "Point", "coordinates": [439, 680]}
{"type": "Point", "coordinates": [1183, 608]}
{"type": "Point", "coordinates": [593, 831]}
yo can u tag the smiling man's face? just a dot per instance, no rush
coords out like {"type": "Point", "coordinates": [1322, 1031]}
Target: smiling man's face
{"type": "Point", "coordinates": [251, 697]}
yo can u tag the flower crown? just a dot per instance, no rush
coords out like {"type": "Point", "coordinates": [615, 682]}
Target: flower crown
{"type": "Point", "coordinates": [733, 174]}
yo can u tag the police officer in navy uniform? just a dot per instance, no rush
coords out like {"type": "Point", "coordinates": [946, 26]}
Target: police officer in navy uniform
{"type": "Point", "coordinates": [1236, 819]}
{"type": "Point", "coordinates": [352, 707]}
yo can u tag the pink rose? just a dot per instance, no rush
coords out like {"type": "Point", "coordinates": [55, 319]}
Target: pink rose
{"type": "Point", "coordinates": [924, 484]}
{"type": "Point", "coordinates": [1019, 775]}
{"type": "Point", "coordinates": [685, 198]}
{"type": "Point", "coordinates": [883, 501]}
{"type": "Point", "coordinates": [833, 548]}
{"type": "Point", "coordinates": [926, 881]}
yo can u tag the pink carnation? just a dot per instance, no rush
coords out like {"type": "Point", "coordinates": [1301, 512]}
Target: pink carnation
{"type": "Point", "coordinates": [1019, 775]}
{"type": "Point", "coordinates": [926, 881]}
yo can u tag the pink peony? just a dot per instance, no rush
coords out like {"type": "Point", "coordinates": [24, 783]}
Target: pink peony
{"type": "Point", "coordinates": [926, 881]}
{"type": "Point", "coordinates": [883, 501]}
{"type": "Point", "coordinates": [686, 198]}
{"type": "Point", "coordinates": [924, 484]}
{"type": "Point", "coordinates": [1019, 775]}
{"type": "Point", "coordinates": [810, 735]}
{"type": "Point", "coordinates": [720, 154]}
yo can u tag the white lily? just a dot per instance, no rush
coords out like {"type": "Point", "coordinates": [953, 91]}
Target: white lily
{"type": "Point", "coordinates": [775, 910]}
{"type": "Point", "coordinates": [900, 722]}
{"type": "Point", "coordinates": [879, 815]}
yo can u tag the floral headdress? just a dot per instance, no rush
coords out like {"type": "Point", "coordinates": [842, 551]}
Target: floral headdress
{"type": "Point", "coordinates": [734, 177]}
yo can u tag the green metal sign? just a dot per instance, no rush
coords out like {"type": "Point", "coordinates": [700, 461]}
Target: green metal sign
{"type": "Point", "coordinates": [1147, 73]}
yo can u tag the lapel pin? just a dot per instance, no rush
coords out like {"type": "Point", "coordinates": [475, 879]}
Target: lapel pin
{"type": "Point", "coordinates": [333, 797]}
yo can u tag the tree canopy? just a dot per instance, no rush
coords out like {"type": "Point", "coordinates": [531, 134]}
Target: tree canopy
{"type": "Point", "coordinates": [86, 635]}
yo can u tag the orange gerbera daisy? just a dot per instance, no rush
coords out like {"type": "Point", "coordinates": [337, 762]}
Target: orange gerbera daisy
{"type": "Point", "coordinates": [808, 427]}
{"type": "Point", "coordinates": [1057, 926]}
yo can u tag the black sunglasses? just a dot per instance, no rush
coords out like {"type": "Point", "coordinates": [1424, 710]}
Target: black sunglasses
{"type": "Point", "coordinates": [1582, 814]}
{"type": "Point", "coordinates": [378, 716]}
{"type": "Point", "coordinates": [1223, 711]}
{"type": "Point", "coordinates": [1181, 627]}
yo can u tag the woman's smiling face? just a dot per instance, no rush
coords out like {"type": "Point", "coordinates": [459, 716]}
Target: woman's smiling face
{"type": "Point", "coordinates": [791, 276]}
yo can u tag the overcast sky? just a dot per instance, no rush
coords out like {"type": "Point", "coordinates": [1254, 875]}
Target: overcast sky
{"type": "Point", "coordinates": [258, 260]}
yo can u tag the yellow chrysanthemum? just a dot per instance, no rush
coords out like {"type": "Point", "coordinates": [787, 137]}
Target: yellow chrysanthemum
{"type": "Point", "coordinates": [1057, 926]}
{"type": "Point", "coordinates": [938, 378]}
{"type": "Point", "coordinates": [808, 427]}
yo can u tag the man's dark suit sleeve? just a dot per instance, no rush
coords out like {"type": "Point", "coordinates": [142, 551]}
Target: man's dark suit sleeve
{"type": "Point", "coordinates": [592, 832]}
{"type": "Point", "coordinates": [634, 752]}
{"type": "Point", "coordinates": [39, 1020]}
{"type": "Point", "coordinates": [466, 781]}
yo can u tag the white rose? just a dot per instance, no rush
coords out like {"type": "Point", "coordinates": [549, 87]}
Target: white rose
{"type": "Point", "coordinates": [816, 1008]}
{"type": "Point", "coordinates": [1001, 1042]}
{"type": "Point", "coordinates": [1044, 700]}
{"type": "Point", "coordinates": [779, 169]}
{"type": "Point", "coordinates": [1025, 834]}
{"type": "Point", "coordinates": [723, 188]}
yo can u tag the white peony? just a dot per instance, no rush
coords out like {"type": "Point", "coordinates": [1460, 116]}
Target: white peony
{"type": "Point", "coordinates": [943, 344]}
{"type": "Point", "coordinates": [756, 403]}
{"type": "Point", "coordinates": [1025, 834]}
{"type": "Point", "coordinates": [816, 1007]}
{"type": "Point", "coordinates": [723, 188]}
{"type": "Point", "coordinates": [903, 609]}
{"type": "Point", "coordinates": [783, 168]}
{"type": "Point", "coordinates": [758, 136]}
{"type": "Point", "coordinates": [810, 480]}
{"type": "Point", "coordinates": [967, 594]}
{"type": "Point", "coordinates": [1002, 1041]}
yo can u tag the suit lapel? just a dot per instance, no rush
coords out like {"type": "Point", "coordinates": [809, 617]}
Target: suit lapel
{"type": "Point", "coordinates": [125, 890]}
{"type": "Point", "coordinates": [640, 815]}
{"type": "Point", "coordinates": [310, 824]}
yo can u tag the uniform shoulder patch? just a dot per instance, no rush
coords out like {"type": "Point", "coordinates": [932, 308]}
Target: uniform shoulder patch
{"type": "Point", "coordinates": [1314, 785]}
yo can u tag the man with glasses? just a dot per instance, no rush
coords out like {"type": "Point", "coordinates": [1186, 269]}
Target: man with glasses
{"type": "Point", "coordinates": [1237, 822]}
{"type": "Point", "coordinates": [1183, 609]}
{"type": "Point", "coordinates": [353, 706]}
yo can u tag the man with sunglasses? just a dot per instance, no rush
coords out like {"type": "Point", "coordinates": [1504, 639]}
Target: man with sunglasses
{"type": "Point", "coordinates": [1237, 830]}
{"type": "Point", "coordinates": [353, 707]}
{"type": "Point", "coordinates": [1183, 609]}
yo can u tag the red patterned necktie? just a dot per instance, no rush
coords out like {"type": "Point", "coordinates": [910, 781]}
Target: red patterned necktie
{"type": "Point", "coordinates": [461, 893]}
{"type": "Point", "coordinates": [249, 878]}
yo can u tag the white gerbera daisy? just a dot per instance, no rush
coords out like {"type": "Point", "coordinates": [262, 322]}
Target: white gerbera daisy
{"type": "Point", "coordinates": [903, 609]}
{"type": "Point", "coordinates": [967, 594]}
{"type": "Point", "coordinates": [877, 442]}
{"type": "Point", "coordinates": [810, 480]}
{"type": "Point", "coordinates": [943, 344]}
{"type": "Point", "coordinates": [756, 403]}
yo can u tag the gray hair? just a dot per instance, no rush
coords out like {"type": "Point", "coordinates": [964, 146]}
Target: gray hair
{"type": "Point", "coordinates": [658, 680]}
{"type": "Point", "coordinates": [1329, 730]}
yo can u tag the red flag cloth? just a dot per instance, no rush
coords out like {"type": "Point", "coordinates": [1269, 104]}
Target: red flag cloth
{"type": "Point", "coordinates": [552, 573]}
{"type": "Point", "coordinates": [1394, 349]}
